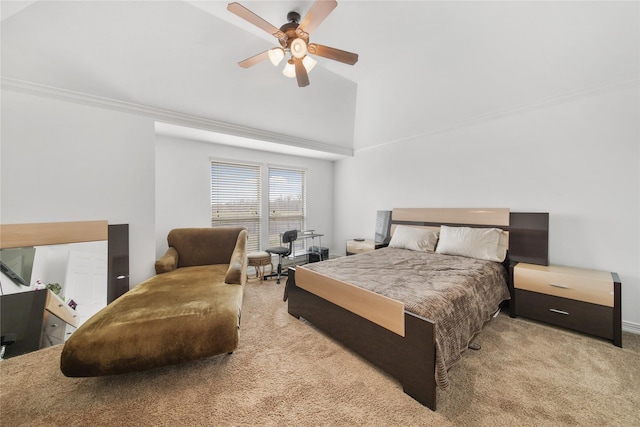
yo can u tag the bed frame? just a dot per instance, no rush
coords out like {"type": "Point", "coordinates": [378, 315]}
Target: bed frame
{"type": "Point", "coordinates": [378, 328]}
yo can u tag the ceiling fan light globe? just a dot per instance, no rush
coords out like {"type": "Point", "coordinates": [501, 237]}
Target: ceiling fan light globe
{"type": "Point", "coordinates": [298, 48]}
{"type": "Point", "coordinates": [289, 69]}
{"type": "Point", "coordinates": [276, 55]}
{"type": "Point", "coordinates": [309, 63]}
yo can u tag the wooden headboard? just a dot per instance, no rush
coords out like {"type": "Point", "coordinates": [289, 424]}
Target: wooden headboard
{"type": "Point", "coordinates": [528, 231]}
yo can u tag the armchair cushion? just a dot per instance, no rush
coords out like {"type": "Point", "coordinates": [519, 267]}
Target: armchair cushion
{"type": "Point", "coordinates": [204, 246]}
{"type": "Point", "coordinates": [168, 261]}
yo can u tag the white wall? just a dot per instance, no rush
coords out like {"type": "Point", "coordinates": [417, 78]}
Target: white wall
{"type": "Point", "coordinates": [62, 161]}
{"type": "Point", "coordinates": [183, 190]}
{"type": "Point", "coordinates": [576, 158]}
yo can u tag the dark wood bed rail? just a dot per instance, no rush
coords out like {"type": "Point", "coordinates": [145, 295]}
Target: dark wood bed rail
{"type": "Point", "coordinates": [409, 359]}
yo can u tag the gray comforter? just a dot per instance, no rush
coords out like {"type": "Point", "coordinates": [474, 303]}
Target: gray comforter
{"type": "Point", "coordinates": [459, 294]}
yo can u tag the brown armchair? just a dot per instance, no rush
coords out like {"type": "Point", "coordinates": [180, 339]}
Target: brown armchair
{"type": "Point", "coordinates": [189, 310]}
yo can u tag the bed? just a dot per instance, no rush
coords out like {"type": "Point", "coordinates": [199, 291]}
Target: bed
{"type": "Point", "coordinates": [409, 309]}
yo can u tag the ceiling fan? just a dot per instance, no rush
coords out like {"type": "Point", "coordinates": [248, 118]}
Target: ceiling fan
{"type": "Point", "coordinates": [294, 39]}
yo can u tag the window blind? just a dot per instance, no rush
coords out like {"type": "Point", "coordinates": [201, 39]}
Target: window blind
{"type": "Point", "coordinates": [287, 204]}
{"type": "Point", "coordinates": [236, 200]}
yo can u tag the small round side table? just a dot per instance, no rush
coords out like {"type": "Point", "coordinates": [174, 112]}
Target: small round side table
{"type": "Point", "coordinates": [259, 260]}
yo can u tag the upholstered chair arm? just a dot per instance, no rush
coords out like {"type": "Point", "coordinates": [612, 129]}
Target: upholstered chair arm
{"type": "Point", "coordinates": [237, 272]}
{"type": "Point", "coordinates": [168, 262]}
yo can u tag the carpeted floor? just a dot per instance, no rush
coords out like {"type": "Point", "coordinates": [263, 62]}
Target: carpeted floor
{"type": "Point", "coordinates": [287, 373]}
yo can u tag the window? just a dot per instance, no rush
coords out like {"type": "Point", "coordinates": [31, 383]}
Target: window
{"type": "Point", "coordinates": [287, 207]}
{"type": "Point", "coordinates": [236, 199]}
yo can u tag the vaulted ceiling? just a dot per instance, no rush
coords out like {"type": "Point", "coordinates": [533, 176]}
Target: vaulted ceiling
{"type": "Point", "coordinates": [180, 57]}
{"type": "Point", "coordinates": [446, 59]}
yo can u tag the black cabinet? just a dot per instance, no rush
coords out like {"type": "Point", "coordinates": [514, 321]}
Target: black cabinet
{"type": "Point", "coordinates": [118, 259]}
{"type": "Point", "coordinates": [21, 317]}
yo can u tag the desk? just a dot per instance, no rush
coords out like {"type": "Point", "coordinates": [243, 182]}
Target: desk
{"type": "Point", "coordinates": [313, 249]}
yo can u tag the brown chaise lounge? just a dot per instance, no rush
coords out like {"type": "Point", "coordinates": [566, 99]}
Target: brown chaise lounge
{"type": "Point", "coordinates": [189, 310]}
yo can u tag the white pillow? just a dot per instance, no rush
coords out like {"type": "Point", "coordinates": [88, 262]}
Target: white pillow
{"type": "Point", "coordinates": [481, 243]}
{"type": "Point", "coordinates": [415, 239]}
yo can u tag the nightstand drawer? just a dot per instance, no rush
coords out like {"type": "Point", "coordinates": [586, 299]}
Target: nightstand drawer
{"type": "Point", "coordinates": [590, 286]}
{"type": "Point", "coordinates": [584, 317]}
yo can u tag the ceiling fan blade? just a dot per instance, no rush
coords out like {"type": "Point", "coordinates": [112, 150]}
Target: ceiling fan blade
{"type": "Point", "coordinates": [318, 12]}
{"type": "Point", "coordinates": [301, 73]}
{"type": "Point", "coordinates": [247, 15]}
{"type": "Point", "coordinates": [333, 53]}
{"type": "Point", "coordinates": [254, 59]}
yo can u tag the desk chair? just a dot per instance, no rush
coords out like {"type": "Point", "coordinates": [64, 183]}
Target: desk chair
{"type": "Point", "coordinates": [282, 251]}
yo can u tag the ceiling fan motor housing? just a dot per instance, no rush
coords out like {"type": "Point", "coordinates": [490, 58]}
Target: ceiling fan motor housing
{"type": "Point", "coordinates": [293, 16]}
{"type": "Point", "coordinates": [289, 29]}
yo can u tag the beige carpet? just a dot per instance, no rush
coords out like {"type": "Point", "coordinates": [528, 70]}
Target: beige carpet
{"type": "Point", "coordinates": [287, 373]}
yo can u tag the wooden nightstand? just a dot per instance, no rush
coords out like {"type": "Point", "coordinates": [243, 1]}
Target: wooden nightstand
{"type": "Point", "coordinates": [361, 246]}
{"type": "Point", "coordinates": [584, 300]}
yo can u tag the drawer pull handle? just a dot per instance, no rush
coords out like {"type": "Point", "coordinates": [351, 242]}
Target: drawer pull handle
{"type": "Point", "coordinates": [553, 310]}
{"type": "Point", "coordinates": [555, 285]}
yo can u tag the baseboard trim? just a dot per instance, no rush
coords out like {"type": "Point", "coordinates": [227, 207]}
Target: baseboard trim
{"type": "Point", "coordinates": [632, 327]}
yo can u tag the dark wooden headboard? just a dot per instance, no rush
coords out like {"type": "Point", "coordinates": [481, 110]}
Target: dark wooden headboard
{"type": "Point", "coordinates": [528, 231]}
{"type": "Point", "coordinates": [529, 237]}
